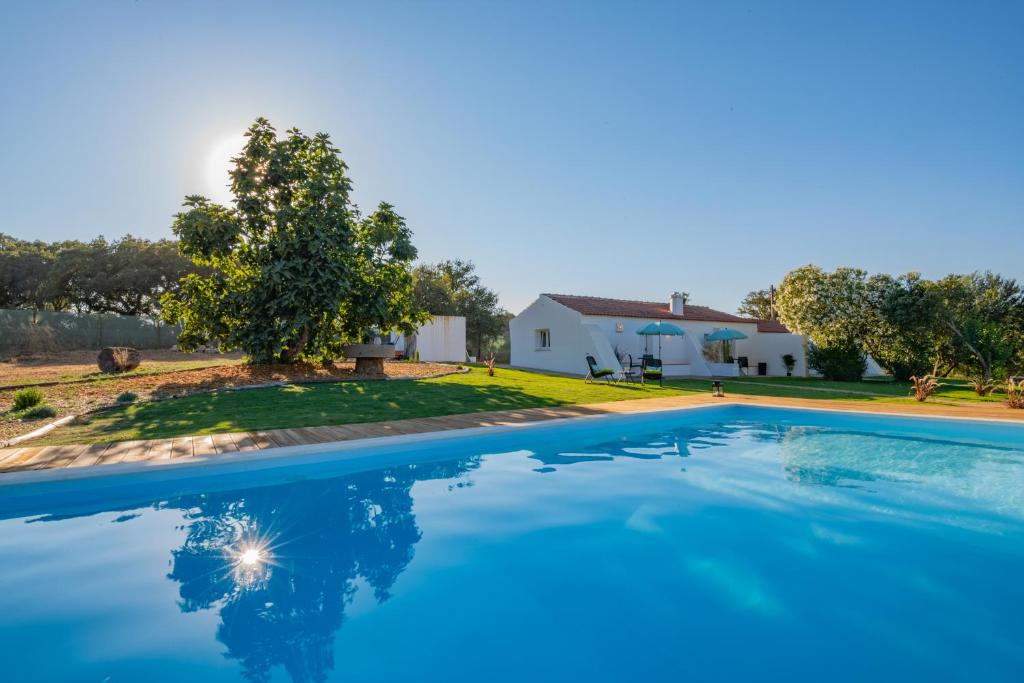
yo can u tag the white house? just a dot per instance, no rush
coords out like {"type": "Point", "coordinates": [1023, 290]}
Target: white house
{"type": "Point", "coordinates": [557, 331]}
{"type": "Point", "coordinates": [440, 339]}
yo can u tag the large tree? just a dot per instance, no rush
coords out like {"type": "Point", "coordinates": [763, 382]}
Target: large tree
{"type": "Point", "coordinates": [980, 324]}
{"type": "Point", "coordinates": [828, 307]}
{"type": "Point", "coordinates": [453, 288]}
{"type": "Point", "coordinates": [899, 324]}
{"type": "Point", "coordinates": [295, 271]}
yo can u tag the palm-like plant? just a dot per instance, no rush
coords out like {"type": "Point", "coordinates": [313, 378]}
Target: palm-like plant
{"type": "Point", "coordinates": [924, 386]}
{"type": "Point", "coordinates": [982, 386]}
{"type": "Point", "coordinates": [1014, 393]}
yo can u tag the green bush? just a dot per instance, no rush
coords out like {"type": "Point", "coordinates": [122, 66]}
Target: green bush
{"type": "Point", "coordinates": [26, 398]}
{"type": "Point", "coordinates": [127, 397]}
{"type": "Point", "coordinates": [39, 412]}
{"type": "Point", "coordinates": [843, 362]}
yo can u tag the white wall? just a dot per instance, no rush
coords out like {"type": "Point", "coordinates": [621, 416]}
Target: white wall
{"type": "Point", "coordinates": [769, 347]}
{"type": "Point", "coordinates": [571, 340]}
{"type": "Point", "coordinates": [442, 338]}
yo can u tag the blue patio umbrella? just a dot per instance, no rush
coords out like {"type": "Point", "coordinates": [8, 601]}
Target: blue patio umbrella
{"type": "Point", "coordinates": [726, 335]}
{"type": "Point", "coordinates": [659, 329]}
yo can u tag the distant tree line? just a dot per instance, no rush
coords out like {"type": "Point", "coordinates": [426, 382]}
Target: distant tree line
{"type": "Point", "coordinates": [126, 276]}
{"type": "Point", "coordinates": [968, 325]}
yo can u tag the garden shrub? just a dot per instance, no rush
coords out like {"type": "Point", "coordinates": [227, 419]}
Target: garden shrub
{"type": "Point", "coordinates": [127, 397]}
{"type": "Point", "coordinates": [841, 361]}
{"type": "Point", "coordinates": [26, 398]}
{"type": "Point", "coordinates": [39, 412]}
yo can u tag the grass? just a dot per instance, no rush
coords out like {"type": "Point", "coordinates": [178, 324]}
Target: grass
{"type": "Point", "coordinates": [345, 403]}
{"type": "Point", "coordinates": [357, 402]}
{"type": "Point", "coordinates": [952, 390]}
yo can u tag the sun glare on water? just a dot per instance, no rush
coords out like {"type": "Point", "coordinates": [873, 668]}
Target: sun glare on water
{"type": "Point", "coordinates": [250, 557]}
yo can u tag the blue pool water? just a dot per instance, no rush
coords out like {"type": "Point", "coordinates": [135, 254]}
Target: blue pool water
{"type": "Point", "coordinates": [718, 544]}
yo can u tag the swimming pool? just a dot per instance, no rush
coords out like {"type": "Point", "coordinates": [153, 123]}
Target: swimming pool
{"type": "Point", "coordinates": [707, 544]}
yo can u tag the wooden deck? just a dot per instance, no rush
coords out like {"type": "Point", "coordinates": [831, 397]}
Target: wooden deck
{"type": "Point", "coordinates": [155, 451]}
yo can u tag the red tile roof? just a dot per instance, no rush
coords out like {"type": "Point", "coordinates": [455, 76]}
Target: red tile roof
{"type": "Point", "coordinates": [771, 326]}
{"type": "Point", "coordinates": [619, 308]}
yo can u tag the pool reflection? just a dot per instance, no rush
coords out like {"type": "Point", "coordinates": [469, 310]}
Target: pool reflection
{"type": "Point", "coordinates": [322, 537]}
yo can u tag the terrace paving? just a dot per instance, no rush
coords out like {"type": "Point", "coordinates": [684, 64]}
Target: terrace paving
{"type": "Point", "coordinates": [165, 450]}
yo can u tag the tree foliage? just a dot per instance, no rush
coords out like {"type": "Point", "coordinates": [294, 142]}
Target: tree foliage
{"type": "Point", "coordinates": [839, 361]}
{"type": "Point", "coordinates": [453, 288]}
{"type": "Point", "coordinates": [758, 304]}
{"type": "Point", "coordinates": [980, 324]}
{"type": "Point", "coordinates": [293, 270]}
{"type": "Point", "coordinates": [126, 276]}
{"type": "Point", "coordinates": [970, 324]}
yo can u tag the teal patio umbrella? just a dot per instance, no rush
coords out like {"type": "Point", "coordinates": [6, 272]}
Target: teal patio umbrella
{"type": "Point", "coordinates": [726, 335]}
{"type": "Point", "coordinates": [657, 330]}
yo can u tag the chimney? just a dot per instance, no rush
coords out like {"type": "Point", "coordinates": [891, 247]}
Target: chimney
{"type": "Point", "coordinates": [676, 303]}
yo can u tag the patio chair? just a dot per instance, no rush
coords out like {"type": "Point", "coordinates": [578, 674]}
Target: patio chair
{"type": "Point", "coordinates": [744, 365]}
{"type": "Point", "coordinates": [594, 371]}
{"type": "Point", "coordinates": [651, 370]}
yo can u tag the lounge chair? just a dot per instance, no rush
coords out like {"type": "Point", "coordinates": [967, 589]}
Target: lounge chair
{"type": "Point", "coordinates": [652, 370]}
{"type": "Point", "coordinates": [595, 372]}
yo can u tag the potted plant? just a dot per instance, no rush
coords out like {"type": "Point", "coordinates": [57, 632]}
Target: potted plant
{"type": "Point", "coordinates": [790, 362]}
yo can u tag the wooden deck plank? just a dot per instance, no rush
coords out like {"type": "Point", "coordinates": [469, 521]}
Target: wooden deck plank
{"type": "Point", "coordinates": [203, 445]}
{"type": "Point", "coordinates": [120, 450]}
{"type": "Point", "coordinates": [245, 441]}
{"type": "Point", "coordinates": [160, 449]}
{"type": "Point", "coordinates": [181, 447]}
{"type": "Point", "coordinates": [224, 443]}
{"type": "Point", "coordinates": [262, 440]}
{"type": "Point", "coordinates": [141, 453]}
{"type": "Point", "coordinates": [315, 434]}
{"type": "Point", "coordinates": [90, 456]}
{"type": "Point", "coordinates": [60, 456]}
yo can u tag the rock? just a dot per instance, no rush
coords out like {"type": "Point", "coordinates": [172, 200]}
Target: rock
{"type": "Point", "coordinates": [118, 359]}
{"type": "Point", "coordinates": [370, 367]}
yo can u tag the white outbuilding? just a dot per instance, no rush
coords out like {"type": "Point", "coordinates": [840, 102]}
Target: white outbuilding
{"type": "Point", "coordinates": [440, 339]}
{"type": "Point", "coordinates": [557, 331]}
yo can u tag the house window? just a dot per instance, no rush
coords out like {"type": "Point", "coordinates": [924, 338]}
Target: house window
{"type": "Point", "coordinates": [543, 338]}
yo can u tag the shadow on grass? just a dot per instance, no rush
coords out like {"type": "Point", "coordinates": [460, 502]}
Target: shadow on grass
{"type": "Point", "coordinates": [310, 405]}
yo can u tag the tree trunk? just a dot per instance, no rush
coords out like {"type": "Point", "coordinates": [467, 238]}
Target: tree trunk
{"type": "Point", "coordinates": [294, 348]}
{"type": "Point", "coordinates": [986, 366]}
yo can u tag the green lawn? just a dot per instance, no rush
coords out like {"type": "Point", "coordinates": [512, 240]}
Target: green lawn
{"type": "Point", "coordinates": [311, 405]}
{"type": "Point", "coordinates": [354, 402]}
{"type": "Point", "coordinates": [952, 389]}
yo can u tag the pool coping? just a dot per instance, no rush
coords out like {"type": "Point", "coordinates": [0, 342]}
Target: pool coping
{"type": "Point", "coordinates": [268, 457]}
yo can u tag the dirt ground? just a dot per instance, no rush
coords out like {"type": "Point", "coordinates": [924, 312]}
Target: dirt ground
{"type": "Point", "coordinates": [71, 365]}
{"type": "Point", "coordinates": [162, 374]}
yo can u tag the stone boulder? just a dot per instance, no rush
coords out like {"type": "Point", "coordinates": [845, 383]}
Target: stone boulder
{"type": "Point", "coordinates": [118, 359]}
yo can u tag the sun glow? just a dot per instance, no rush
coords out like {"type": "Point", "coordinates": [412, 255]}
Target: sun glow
{"type": "Point", "coordinates": [218, 163]}
{"type": "Point", "coordinates": [250, 557]}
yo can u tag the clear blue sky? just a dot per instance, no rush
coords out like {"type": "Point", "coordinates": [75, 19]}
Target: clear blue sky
{"type": "Point", "coordinates": [621, 150]}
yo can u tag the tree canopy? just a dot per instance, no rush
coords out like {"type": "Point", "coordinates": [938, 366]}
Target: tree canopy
{"type": "Point", "coordinates": [293, 271]}
{"type": "Point", "coordinates": [453, 288]}
{"type": "Point", "coordinates": [758, 304]}
{"type": "Point", "coordinates": [127, 276]}
{"type": "Point", "coordinates": [971, 324]}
